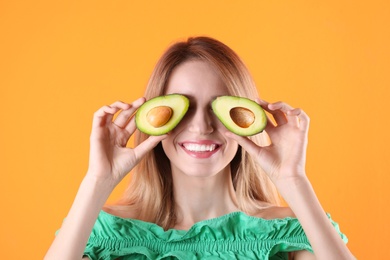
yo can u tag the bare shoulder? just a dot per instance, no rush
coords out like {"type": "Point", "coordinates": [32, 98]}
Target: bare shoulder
{"type": "Point", "coordinates": [274, 212]}
{"type": "Point", "coordinates": [121, 211]}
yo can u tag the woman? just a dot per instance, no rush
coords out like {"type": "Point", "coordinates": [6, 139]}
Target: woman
{"type": "Point", "coordinates": [199, 191]}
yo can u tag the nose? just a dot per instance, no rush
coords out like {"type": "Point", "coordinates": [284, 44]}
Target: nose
{"type": "Point", "coordinates": [201, 122]}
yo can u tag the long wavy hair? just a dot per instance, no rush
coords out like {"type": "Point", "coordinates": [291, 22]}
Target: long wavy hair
{"type": "Point", "coordinates": [150, 192]}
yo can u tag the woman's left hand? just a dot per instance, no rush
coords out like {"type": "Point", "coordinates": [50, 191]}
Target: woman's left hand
{"type": "Point", "coordinates": [284, 162]}
{"type": "Point", "coordinates": [284, 159]}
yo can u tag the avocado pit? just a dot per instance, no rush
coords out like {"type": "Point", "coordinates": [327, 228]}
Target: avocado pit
{"type": "Point", "coordinates": [242, 117]}
{"type": "Point", "coordinates": [159, 116]}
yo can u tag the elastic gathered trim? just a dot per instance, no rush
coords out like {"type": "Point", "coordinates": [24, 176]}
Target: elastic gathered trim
{"type": "Point", "coordinates": [197, 246]}
{"type": "Point", "coordinates": [233, 236]}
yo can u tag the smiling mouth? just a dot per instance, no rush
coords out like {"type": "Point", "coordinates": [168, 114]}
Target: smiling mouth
{"type": "Point", "coordinates": [199, 148]}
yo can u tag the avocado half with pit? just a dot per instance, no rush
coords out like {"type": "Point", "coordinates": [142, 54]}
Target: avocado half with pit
{"type": "Point", "coordinates": [161, 114]}
{"type": "Point", "coordinates": [240, 115]}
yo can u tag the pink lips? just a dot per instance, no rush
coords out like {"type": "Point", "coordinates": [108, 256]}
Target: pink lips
{"type": "Point", "coordinates": [200, 149]}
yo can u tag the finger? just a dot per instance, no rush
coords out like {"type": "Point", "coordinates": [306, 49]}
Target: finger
{"type": "Point", "coordinates": [290, 112]}
{"type": "Point", "coordinates": [104, 115]}
{"type": "Point", "coordinates": [131, 126]}
{"type": "Point", "coordinates": [147, 146]}
{"type": "Point", "coordinates": [272, 122]}
{"type": "Point", "coordinates": [245, 143]}
{"type": "Point", "coordinates": [264, 139]}
{"type": "Point", "coordinates": [128, 110]}
{"type": "Point", "coordinates": [300, 115]}
{"type": "Point", "coordinates": [275, 109]}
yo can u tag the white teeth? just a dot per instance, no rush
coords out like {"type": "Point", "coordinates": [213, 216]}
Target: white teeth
{"type": "Point", "coordinates": [200, 147]}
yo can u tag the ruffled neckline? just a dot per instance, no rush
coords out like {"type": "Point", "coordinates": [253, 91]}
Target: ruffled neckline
{"type": "Point", "coordinates": [223, 226]}
{"type": "Point", "coordinates": [233, 235]}
{"type": "Point", "coordinates": [202, 222]}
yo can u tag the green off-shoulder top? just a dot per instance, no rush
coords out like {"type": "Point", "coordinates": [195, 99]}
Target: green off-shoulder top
{"type": "Point", "coordinates": [232, 236]}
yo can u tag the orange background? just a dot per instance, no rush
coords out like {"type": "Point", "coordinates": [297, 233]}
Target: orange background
{"type": "Point", "coordinates": [61, 60]}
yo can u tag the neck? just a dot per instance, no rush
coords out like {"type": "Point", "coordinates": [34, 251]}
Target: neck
{"type": "Point", "coordinates": [201, 198]}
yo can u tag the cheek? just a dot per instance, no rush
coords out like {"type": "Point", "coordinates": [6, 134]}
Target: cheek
{"type": "Point", "coordinates": [167, 145]}
{"type": "Point", "coordinates": [231, 149]}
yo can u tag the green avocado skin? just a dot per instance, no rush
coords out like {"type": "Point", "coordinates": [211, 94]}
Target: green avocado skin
{"type": "Point", "coordinates": [223, 104]}
{"type": "Point", "coordinates": [179, 105]}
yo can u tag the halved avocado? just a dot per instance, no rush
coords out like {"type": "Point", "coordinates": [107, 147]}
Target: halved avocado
{"type": "Point", "coordinates": [241, 116]}
{"type": "Point", "coordinates": [159, 115]}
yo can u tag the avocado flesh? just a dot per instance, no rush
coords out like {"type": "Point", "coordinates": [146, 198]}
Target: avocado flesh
{"type": "Point", "coordinates": [223, 106]}
{"type": "Point", "coordinates": [177, 103]}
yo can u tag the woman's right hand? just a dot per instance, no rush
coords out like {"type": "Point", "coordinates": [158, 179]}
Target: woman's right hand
{"type": "Point", "coordinates": [110, 160]}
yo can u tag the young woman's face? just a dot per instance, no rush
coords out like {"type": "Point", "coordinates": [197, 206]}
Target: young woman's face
{"type": "Point", "coordinates": [197, 146]}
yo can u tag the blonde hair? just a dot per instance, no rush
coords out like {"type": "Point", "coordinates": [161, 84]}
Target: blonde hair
{"type": "Point", "coordinates": [150, 192]}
